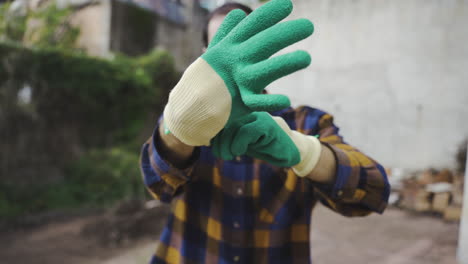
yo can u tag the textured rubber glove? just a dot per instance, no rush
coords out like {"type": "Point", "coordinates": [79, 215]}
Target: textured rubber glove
{"type": "Point", "coordinates": [227, 81]}
{"type": "Point", "coordinates": [268, 138]}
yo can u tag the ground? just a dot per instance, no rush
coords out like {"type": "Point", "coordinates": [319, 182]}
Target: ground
{"type": "Point", "coordinates": [397, 237]}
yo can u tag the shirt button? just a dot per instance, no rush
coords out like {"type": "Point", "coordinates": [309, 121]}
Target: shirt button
{"type": "Point", "coordinates": [240, 191]}
{"type": "Point", "coordinates": [238, 158]}
{"type": "Point", "coordinates": [236, 225]}
{"type": "Point", "coordinates": [236, 258]}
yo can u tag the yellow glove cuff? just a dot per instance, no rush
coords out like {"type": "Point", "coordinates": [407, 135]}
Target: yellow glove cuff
{"type": "Point", "coordinates": [309, 147]}
{"type": "Point", "coordinates": [199, 105]}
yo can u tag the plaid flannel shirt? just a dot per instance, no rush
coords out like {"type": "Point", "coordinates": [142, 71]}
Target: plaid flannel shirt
{"type": "Point", "coordinates": [248, 211]}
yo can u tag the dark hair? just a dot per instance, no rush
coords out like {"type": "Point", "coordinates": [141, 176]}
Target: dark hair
{"type": "Point", "coordinates": [223, 10]}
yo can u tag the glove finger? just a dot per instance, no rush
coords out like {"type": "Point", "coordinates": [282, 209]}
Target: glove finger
{"type": "Point", "coordinates": [221, 144]}
{"type": "Point", "coordinates": [270, 41]}
{"type": "Point", "coordinates": [276, 147]}
{"type": "Point", "coordinates": [215, 144]}
{"type": "Point", "coordinates": [232, 19]}
{"type": "Point", "coordinates": [225, 147]}
{"type": "Point", "coordinates": [248, 134]}
{"type": "Point", "coordinates": [261, 18]}
{"type": "Point", "coordinates": [265, 102]}
{"type": "Point", "coordinates": [258, 76]}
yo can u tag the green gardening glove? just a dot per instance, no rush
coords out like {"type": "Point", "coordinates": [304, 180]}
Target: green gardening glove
{"type": "Point", "coordinates": [240, 53]}
{"type": "Point", "coordinates": [270, 139]}
{"type": "Point", "coordinates": [227, 81]}
{"type": "Point", "coordinates": [257, 135]}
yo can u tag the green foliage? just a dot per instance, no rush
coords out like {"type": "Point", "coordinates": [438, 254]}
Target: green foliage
{"type": "Point", "coordinates": [85, 118]}
{"type": "Point", "coordinates": [97, 179]}
{"type": "Point", "coordinates": [107, 175]}
{"type": "Point", "coordinates": [45, 27]}
{"type": "Point", "coordinates": [3, 11]}
{"type": "Point", "coordinates": [54, 29]}
{"type": "Point", "coordinates": [99, 94]}
{"type": "Point", "coordinates": [12, 25]}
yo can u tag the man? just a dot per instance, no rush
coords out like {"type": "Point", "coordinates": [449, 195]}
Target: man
{"type": "Point", "coordinates": [242, 181]}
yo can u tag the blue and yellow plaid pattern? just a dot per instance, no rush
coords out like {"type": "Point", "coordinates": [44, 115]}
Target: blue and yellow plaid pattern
{"type": "Point", "coordinates": [248, 211]}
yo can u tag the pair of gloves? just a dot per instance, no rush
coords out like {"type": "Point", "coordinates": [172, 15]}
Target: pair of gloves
{"type": "Point", "coordinates": [219, 99]}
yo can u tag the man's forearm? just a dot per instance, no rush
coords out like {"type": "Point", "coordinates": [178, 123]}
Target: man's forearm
{"type": "Point", "coordinates": [325, 170]}
{"type": "Point", "coordinates": [172, 149]}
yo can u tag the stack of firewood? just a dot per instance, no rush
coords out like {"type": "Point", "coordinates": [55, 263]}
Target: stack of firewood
{"type": "Point", "coordinates": [432, 191]}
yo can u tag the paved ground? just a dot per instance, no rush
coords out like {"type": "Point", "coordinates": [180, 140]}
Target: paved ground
{"type": "Point", "coordinates": [397, 237]}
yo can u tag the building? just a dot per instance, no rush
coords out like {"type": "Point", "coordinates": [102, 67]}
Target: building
{"type": "Point", "coordinates": [211, 4]}
{"type": "Point", "coordinates": [137, 26]}
{"type": "Point", "coordinates": [134, 27]}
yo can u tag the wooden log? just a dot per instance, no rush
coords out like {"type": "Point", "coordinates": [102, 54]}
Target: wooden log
{"type": "Point", "coordinates": [440, 202]}
{"type": "Point", "coordinates": [452, 213]}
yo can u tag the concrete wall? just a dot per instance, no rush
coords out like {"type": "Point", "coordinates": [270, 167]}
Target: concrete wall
{"type": "Point", "coordinates": [92, 17]}
{"type": "Point", "coordinates": [94, 23]}
{"type": "Point", "coordinates": [393, 73]}
{"type": "Point", "coordinates": [183, 41]}
{"type": "Point", "coordinates": [212, 4]}
{"type": "Point", "coordinates": [111, 26]}
{"type": "Point", "coordinates": [132, 29]}
{"type": "Point", "coordinates": [135, 31]}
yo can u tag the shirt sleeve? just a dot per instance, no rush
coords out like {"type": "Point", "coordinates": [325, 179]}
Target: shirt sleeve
{"type": "Point", "coordinates": [163, 180]}
{"type": "Point", "coordinates": [361, 185]}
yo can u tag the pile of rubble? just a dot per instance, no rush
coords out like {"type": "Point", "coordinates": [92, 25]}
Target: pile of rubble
{"type": "Point", "coordinates": [430, 191]}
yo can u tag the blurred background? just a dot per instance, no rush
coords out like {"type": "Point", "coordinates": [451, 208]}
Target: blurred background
{"type": "Point", "coordinates": [82, 83]}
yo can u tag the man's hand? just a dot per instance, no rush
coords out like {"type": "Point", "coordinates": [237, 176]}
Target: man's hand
{"type": "Point", "coordinates": [241, 52]}
{"type": "Point", "coordinates": [268, 138]}
{"type": "Point", "coordinates": [258, 135]}
{"type": "Point", "coordinates": [226, 83]}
